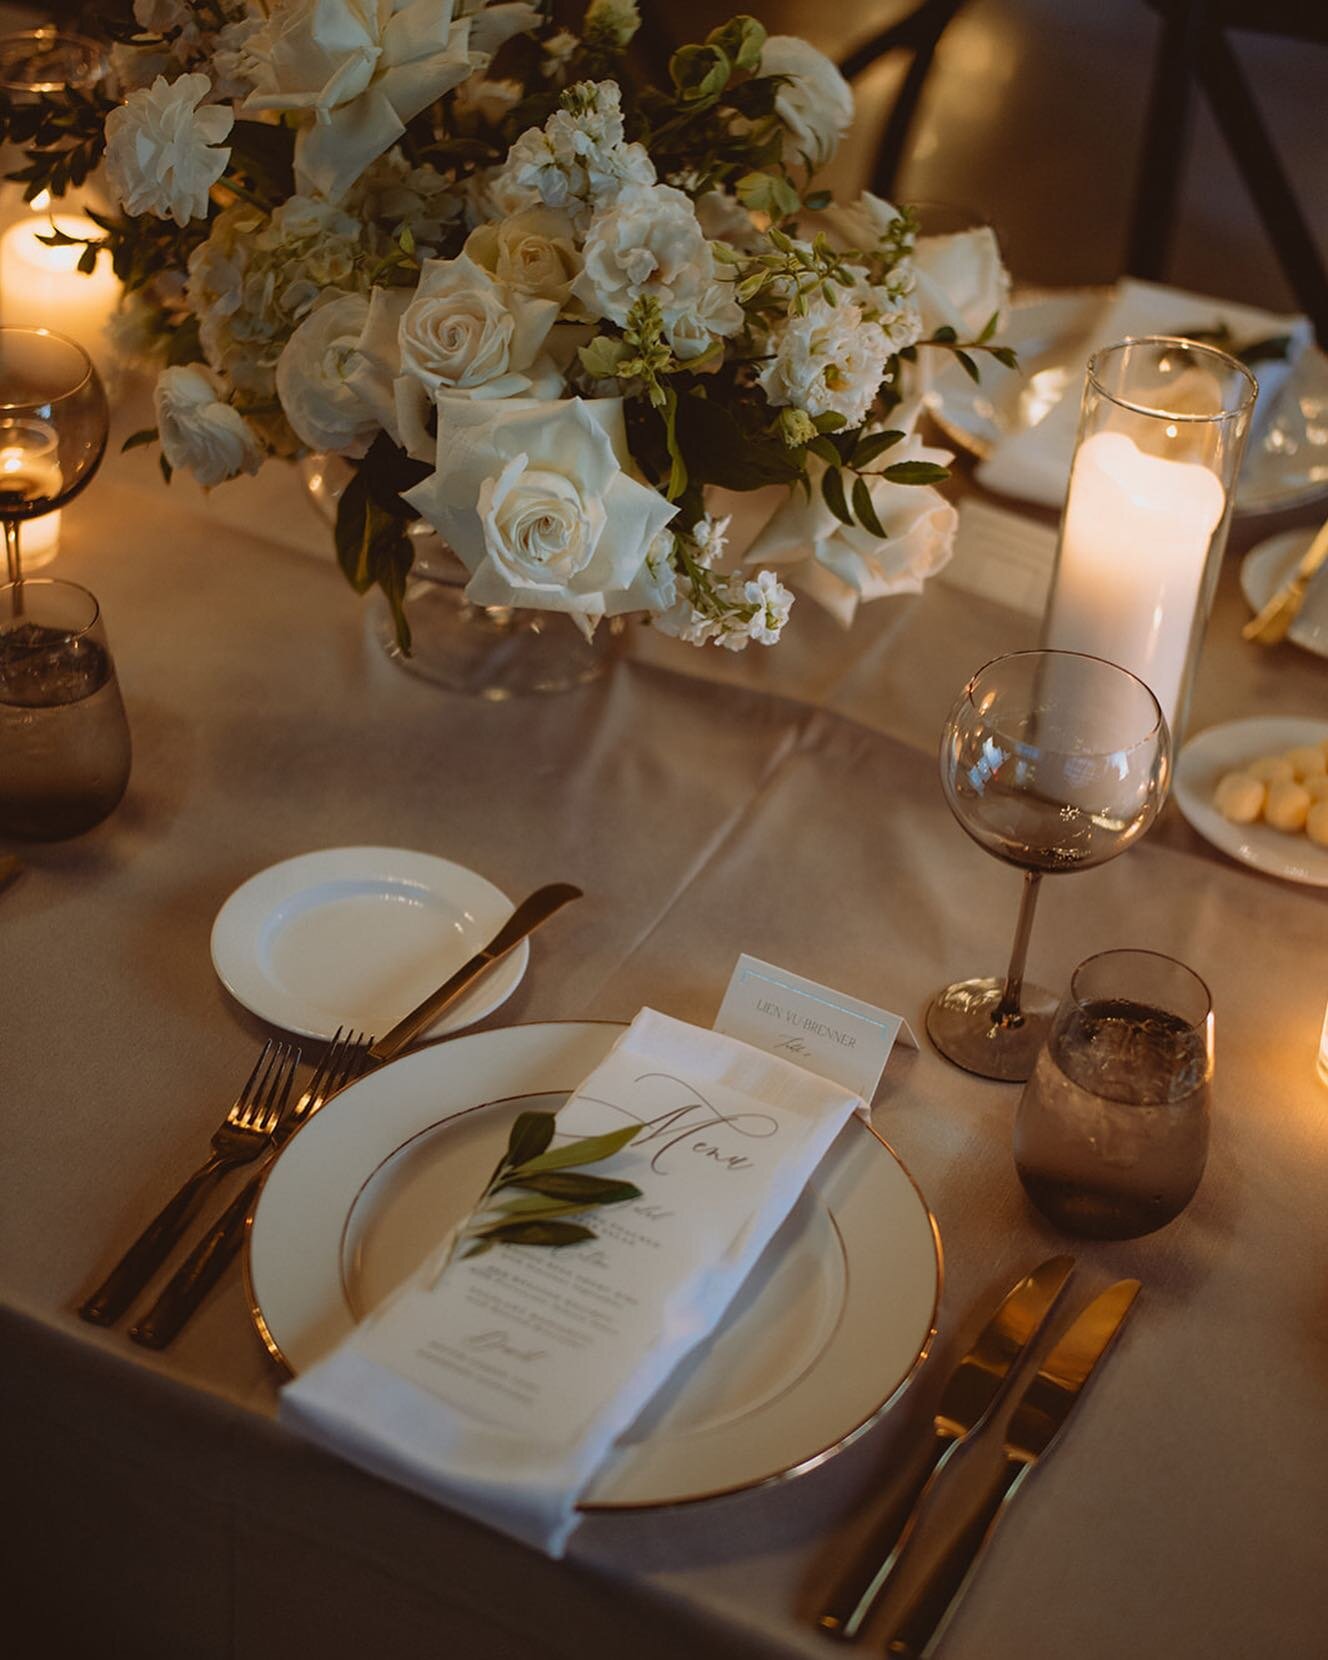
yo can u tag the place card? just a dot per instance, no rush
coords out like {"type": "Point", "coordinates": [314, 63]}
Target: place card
{"type": "Point", "coordinates": [828, 1032]}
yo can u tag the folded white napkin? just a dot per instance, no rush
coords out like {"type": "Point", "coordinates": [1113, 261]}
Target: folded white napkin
{"type": "Point", "coordinates": [1034, 465]}
{"type": "Point", "coordinates": [499, 1385]}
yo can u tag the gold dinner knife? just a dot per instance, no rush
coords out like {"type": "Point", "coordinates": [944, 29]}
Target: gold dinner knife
{"type": "Point", "coordinates": [1034, 1425]}
{"type": "Point", "coordinates": [1283, 608]}
{"type": "Point", "coordinates": [971, 1393]}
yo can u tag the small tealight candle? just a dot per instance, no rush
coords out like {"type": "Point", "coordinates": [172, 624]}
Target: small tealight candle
{"type": "Point", "coordinates": [42, 285]}
{"type": "Point", "coordinates": [28, 452]}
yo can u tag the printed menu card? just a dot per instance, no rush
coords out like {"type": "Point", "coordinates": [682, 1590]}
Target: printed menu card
{"type": "Point", "coordinates": [497, 1382]}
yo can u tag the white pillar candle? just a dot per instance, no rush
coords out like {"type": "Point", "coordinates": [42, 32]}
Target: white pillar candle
{"type": "Point", "coordinates": [43, 286]}
{"type": "Point", "coordinates": [1133, 549]}
{"type": "Point", "coordinates": [1323, 1049]}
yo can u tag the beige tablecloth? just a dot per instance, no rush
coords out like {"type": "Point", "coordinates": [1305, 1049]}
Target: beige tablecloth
{"type": "Point", "coordinates": [785, 804]}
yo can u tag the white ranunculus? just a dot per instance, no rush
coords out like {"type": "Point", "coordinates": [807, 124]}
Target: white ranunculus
{"type": "Point", "coordinates": [200, 433]}
{"type": "Point", "coordinates": [960, 281]}
{"type": "Point", "coordinates": [841, 566]}
{"type": "Point", "coordinates": [649, 242]}
{"type": "Point", "coordinates": [464, 331]}
{"type": "Point", "coordinates": [829, 359]}
{"type": "Point", "coordinates": [321, 403]}
{"type": "Point", "coordinates": [815, 104]}
{"type": "Point", "coordinates": [362, 69]}
{"type": "Point", "coordinates": [161, 149]}
{"type": "Point", "coordinates": [537, 501]}
{"type": "Point", "coordinates": [533, 252]}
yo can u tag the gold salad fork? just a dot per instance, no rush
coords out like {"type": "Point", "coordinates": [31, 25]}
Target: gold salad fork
{"type": "Point", "coordinates": [346, 1058]}
{"type": "Point", "coordinates": [243, 1134]}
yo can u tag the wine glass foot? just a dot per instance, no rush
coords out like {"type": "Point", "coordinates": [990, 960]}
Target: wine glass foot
{"type": "Point", "coordinates": [962, 1023]}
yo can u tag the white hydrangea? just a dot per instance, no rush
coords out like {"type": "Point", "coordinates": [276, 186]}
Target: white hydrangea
{"type": "Point", "coordinates": [829, 360]}
{"type": "Point", "coordinates": [578, 158]}
{"type": "Point", "coordinates": [392, 193]}
{"type": "Point", "coordinates": [200, 432]}
{"type": "Point", "coordinates": [162, 150]}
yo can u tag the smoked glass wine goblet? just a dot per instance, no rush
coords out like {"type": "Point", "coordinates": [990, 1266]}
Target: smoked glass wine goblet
{"type": "Point", "coordinates": [1052, 761]}
{"type": "Point", "coordinates": [53, 426]}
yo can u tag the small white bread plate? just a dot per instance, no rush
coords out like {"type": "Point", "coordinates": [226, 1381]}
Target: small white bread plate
{"type": "Point", "coordinates": [1269, 566]}
{"type": "Point", "coordinates": [829, 1328]}
{"type": "Point", "coordinates": [359, 936]}
{"type": "Point", "coordinates": [1223, 749]}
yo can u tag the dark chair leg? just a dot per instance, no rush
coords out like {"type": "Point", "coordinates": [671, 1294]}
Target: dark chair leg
{"type": "Point", "coordinates": [1251, 146]}
{"type": "Point", "coordinates": [1162, 158]}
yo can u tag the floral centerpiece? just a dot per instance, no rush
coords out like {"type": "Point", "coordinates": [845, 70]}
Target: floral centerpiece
{"type": "Point", "coordinates": [537, 301]}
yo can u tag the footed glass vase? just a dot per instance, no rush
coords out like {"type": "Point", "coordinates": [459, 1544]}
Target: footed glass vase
{"type": "Point", "coordinates": [494, 652]}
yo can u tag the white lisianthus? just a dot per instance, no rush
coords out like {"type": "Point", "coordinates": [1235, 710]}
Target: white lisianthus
{"type": "Point", "coordinates": [464, 331]}
{"type": "Point", "coordinates": [200, 432]}
{"type": "Point", "coordinates": [829, 359]}
{"type": "Point", "coordinates": [533, 252]}
{"type": "Point", "coordinates": [537, 501]}
{"type": "Point", "coordinates": [361, 70]}
{"type": "Point", "coordinates": [846, 564]}
{"type": "Point", "coordinates": [161, 149]}
{"type": "Point", "coordinates": [649, 243]}
{"type": "Point", "coordinates": [322, 405]}
{"type": "Point", "coordinates": [815, 104]}
{"type": "Point", "coordinates": [577, 159]}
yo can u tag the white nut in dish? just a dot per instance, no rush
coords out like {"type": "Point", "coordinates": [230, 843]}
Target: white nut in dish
{"type": "Point", "coordinates": [1287, 806]}
{"type": "Point", "coordinates": [1272, 769]}
{"type": "Point", "coordinates": [1240, 797]}
{"type": "Point", "coordinates": [1316, 825]}
{"type": "Point", "coordinates": [1309, 761]}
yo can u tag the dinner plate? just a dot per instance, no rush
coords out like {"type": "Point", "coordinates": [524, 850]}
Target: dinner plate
{"type": "Point", "coordinates": [1223, 749]}
{"type": "Point", "coordinates": [1266, 567]}
{"type": "Point", "coordinates": [824, 1335]}
{"type": "Point", "coordinates": [1286, 466]}
{"type": "Point", "coordinates": [359, 936]}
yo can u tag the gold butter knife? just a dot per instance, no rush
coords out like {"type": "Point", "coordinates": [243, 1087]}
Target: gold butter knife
{"type": "Point", "coordinates": [971, 1393]}
{"type": "Point", "coordinates": [1283, 608]}
{"type": "Point", "coordinates": [1036, 1422]}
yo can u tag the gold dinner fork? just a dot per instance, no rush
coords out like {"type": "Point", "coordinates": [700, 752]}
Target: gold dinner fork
{"type": "Point", "coordinates": [243, 1134]}
{"type": "Point", "coordinates": [346, 1058]}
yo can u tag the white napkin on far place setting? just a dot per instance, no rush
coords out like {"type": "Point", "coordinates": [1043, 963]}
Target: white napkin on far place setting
{"type": "Point", "coordinates": [1034, 465]}
{"type": "Point", "coordinates": [499, 1385]}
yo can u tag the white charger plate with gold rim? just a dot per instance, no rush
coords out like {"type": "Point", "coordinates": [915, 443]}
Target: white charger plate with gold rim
{"type": "Point", "coordinates": [831, 1325]}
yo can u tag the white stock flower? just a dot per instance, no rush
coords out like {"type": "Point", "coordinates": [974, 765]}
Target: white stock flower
{"type": "Point", "coordinates": [161, 154]}
{"type": "Point", "coordinates": [321, 403]}
{"type": "Point", "coordinates": [200, 433]}
{"type": "Point", "coordinates": [815, 104]}
{"type": "Point", "coordinates": [770, 603]}
{"type": "Point", "coordinates": [533, 252]}
{"type": "Point", "coordinates": [464, 331]}
{"type": "Point", "coordinates": [537, 501]}
{"type": "Point", "coordinates": [711, 536]}
{"type": "Point", "coordinates": [362, 69]}
{"type": "Point", "coordinates": [830, 359]}
{"type": "Point", "coordinates": [840, 566]}
{"type": "Point", "coordinates": [577, 159]}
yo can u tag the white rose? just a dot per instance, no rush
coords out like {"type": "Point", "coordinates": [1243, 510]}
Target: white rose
{"type": "Point", "coordinates": [650, 243]}
{"type": "Point", "coordinates": [533, 252]}
{"type": "Point", "coordinates": [466, 332]}
{"type": "Point", "coordinates": [815, 104]}
{"type": "Point", "coordinates": [199, 432]}
{"type": "Point", "coordinates": [861, 224]}
{"type": "Point", "coordinates": [322, 405]}
{"type": "Point", "coordinates": [960, 281]}
{"type": "Point", "coordinates": [828, 359]}
{"type": "Point", "coordinates": [161, 154]}
{"type": "Point", "coordinates": [536, 500]}
{"type": "Point", "coordinates": [846, 564]}
{"type": "Point", "coordinates": [363, 70]}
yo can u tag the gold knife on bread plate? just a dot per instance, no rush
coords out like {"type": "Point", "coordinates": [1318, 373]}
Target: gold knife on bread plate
{"type": "Point", "coordinates": [1034, 1425]}
{"type": "Point", "coordinates": [971, 1392]}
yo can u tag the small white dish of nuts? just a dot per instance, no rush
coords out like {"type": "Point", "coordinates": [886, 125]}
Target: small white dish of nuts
{"type": "Point", "coordinates": [1258, 789]}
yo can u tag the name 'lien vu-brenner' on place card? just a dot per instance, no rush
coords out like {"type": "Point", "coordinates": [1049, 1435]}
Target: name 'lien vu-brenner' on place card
{"type": "Point", "coordinates": [839, 1037]}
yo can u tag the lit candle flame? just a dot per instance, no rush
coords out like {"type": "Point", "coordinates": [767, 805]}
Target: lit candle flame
{"type": "Point", "coordinates": [41, 201]}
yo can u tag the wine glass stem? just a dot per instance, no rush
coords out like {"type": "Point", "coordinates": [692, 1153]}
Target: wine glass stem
{"type": "Point", "coordinates": [1008, 1011]}
{"type": "Point", "coordinates": [11, 550]}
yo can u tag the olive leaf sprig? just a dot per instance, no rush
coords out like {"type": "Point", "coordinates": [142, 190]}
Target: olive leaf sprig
{"type": "Point", "coordinates": [536, 1186]}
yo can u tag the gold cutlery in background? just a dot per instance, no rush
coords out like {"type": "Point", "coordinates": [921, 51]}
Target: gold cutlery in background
{"type": "Point", "coordinates": [1034, 1425]}
{"type": "Point", "coordinates": [971, 1393]}
{"type": "Point", "coordinates": [1283, 608]}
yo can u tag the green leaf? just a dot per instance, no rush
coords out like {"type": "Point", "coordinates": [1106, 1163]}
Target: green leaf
{"type": "Point", "coordinates": [916, 472]}
{"type": "Point", "coordinates": [601, 356]}
{"type": "Point", "coordinates": [989, 328]}
{"type": "Point", "coordinates": [864, 509]}
{"type": "Point", "coordinates": [352, 535]}
{"type": "Point", "coordinates": [832, 488]}
{"type": "Point", "coordinates": [531, 1134]}
{"type": "Point", "coordinates": [556, 1234]}
{"type": "Point", "coordinates": [575, 1185]}
{"type": "Point", "coordinates": [767, 193]}
{"type": "Point", "coordinates": [477, 1249]}
{"type": "Point", "coordinates": [1006, 355]}
{"type": "Point", "coordinates": [945, 335]}
{"type": "Point", "coordinates": [831, 421]}
{"type": "Point", "coordinates": [145, 435]}
{"type": "Point", "coordinates": [826, 450]}
{"type": "Point", "coordinates": [700, 73]}
{"type": "Point", "coordinates": [742, 39]}
{"type": "Point", "coordinates": [166, 468]}
{"type": "Point", "coordinates": [873, 444]}
{"type": "Point", "coordinates": [677, 465]}
{"type": "Point", "coordinates": [585, 1150]}
{"type": "Point", "coordinates": [717, 450]}
{"type": "Point", "coordinates": [817, 200]}
{"type": "Point", "coordinates": [967, 364]}
{"type": "Point", "coordinates": [536, 1205]}
{"type": "Point", "coordinates": [87, 260]}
